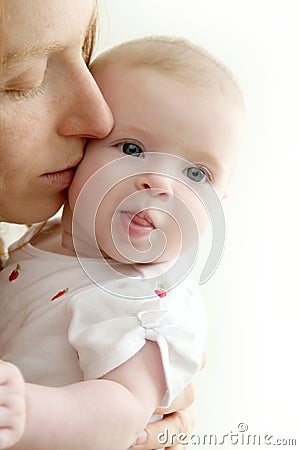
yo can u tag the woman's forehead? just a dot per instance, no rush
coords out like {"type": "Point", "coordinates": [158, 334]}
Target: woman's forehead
{"type": "Point", "coordinates": [31, 27]}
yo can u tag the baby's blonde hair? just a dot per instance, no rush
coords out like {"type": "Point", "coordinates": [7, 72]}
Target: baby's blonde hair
{"type": "Point", "coordinates": [177, 57]}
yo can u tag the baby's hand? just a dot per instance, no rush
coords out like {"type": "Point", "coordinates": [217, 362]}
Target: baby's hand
{"type": "Point", "coordinates": [12, 404]}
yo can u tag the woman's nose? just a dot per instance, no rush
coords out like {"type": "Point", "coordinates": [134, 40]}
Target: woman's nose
{"type": "Point", "coordinates": [160, 185]}
{"type": "Point", "coordinates": [86, 112]}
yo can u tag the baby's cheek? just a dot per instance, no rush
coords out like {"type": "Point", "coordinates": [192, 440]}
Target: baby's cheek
{"type": "Point", "coordinates": [202, 220]}
{"type": "Point", "coordinates": [174, 240]}
{"type": "Point", "coordinates": [198, 213]}
{"type": "Point", "coordinates": [82, 176]}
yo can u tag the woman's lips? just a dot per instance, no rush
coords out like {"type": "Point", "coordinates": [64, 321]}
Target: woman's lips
{"type": "Point", "coordinates": [61, 178]}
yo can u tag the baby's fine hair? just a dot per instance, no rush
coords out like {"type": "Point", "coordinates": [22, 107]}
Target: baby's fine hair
{"type": "Point", "coordinates": [177, 57]}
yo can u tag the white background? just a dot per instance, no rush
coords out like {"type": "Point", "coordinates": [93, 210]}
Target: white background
{"type": "Point", "coordinates": [252, 374]}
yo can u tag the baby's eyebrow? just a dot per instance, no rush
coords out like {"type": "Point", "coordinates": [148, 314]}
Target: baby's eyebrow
{"type": "Point", "coordinates": [206, 157]}
{"type": "Point", "coordinates": [34, 51]}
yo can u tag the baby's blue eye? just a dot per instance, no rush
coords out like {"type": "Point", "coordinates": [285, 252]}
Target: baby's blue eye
{"type": "Point", "coordinates": [131, 149]}
{"type": "Point", "coordinates": [196, 174]}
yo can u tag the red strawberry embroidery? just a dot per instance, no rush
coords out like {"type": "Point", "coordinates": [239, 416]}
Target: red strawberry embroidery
{"type": "Point", "coordinates": [59, 294]}
{"type": "Point", "coordinates": [15, 273]}
{"type": "Point", "coordinates": [160, 291]}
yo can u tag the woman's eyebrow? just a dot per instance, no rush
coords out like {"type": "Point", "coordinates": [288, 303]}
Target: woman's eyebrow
{"type": "Point", "coordinates": [31, 52]}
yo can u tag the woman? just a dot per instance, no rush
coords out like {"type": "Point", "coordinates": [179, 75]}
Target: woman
{"type": "Point", "coordinates": [50, 105]}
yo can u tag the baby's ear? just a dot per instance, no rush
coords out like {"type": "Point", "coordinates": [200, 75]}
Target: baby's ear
{"type": "Point", "coordinates": [225, 195]}
{"type": "Point", "coordinates": [226, 192]}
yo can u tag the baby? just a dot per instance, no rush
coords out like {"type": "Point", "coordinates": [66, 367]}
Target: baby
{"type": "Point", "coordinates": [102, 307]}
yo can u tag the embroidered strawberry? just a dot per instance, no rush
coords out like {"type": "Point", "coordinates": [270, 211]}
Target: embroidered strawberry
{"type": "Point", "coordinates": [15, 273]}
{"type": "Point", "coordinates": [59, 294]}
{"type": "Point", "coordinates": [160, 291]}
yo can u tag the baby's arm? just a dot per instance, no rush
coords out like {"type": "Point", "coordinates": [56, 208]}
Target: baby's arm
{"type": "Point", "coordinates": [99, 414]}
{"type": "Point", "coordinates": [12, 404]}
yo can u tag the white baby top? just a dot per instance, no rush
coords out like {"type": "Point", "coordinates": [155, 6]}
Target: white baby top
{"type": "Point", "coordinates": [59, 327]}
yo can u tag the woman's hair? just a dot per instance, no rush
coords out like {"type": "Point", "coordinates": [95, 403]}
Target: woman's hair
{"type": "Point", "coordinates": [89, 42]}
{"type": "Point", "coordinates": [6, 251]}
{"type": "Point", "coordinates": [2, 251]}
{"type": "Point", "coordinates": [1, 32]}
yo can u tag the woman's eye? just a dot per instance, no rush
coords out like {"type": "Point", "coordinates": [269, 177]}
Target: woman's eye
{"type": "Point", "coordinates": [131, 149]}
{"type": "Point", "coordinates": [196, 174]}
{"type": "Point", "coordinates": [28, 81]}
{"type": "Point", "coordinates": [24, 93]}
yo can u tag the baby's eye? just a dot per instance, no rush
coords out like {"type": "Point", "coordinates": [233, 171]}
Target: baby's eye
{"type": "Point", "coordinates": [131, 149]}
{"type": "Point", "coordinates": [196, 174]}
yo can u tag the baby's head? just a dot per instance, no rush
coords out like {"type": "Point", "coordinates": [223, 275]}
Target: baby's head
{"type": "Point", "coordinates": [172, 100]}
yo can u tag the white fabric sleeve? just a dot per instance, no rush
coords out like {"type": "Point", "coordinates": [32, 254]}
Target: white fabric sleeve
{"type": "Point", "coordinates": [106, 331]}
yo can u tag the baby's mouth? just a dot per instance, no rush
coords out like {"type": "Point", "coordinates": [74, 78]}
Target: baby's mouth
{"type": "Point", "coordinates": [142, 219]}
{"type": "Point", "coordinates": [139, 224]}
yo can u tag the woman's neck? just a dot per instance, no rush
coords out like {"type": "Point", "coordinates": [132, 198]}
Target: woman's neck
{"type": "Point", "coordinates": [50, 240]}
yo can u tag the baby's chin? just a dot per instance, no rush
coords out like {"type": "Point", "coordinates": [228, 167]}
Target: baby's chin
{"type": "Point", "coordinates": [166, 256]}
{"type": "Point", "coordinates": [114, 255]}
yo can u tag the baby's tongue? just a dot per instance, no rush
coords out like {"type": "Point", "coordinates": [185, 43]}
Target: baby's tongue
{"type": "Point", "coordinates": [139, 219]}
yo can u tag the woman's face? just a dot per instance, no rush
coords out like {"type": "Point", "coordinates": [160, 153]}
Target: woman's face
{"type": "Point", "coordinates": [50, 104]}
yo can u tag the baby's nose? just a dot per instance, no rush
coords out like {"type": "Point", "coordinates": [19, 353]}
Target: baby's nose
{"type": "Point", "coordinates": [160, 185]}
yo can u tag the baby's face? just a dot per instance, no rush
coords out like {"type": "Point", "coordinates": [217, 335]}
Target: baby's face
{"type": "Point", "coordinates": [198, 127]}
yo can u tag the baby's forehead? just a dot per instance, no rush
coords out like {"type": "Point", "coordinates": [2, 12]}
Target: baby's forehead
{"type": "Point", "coordinates": [202, 74]}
